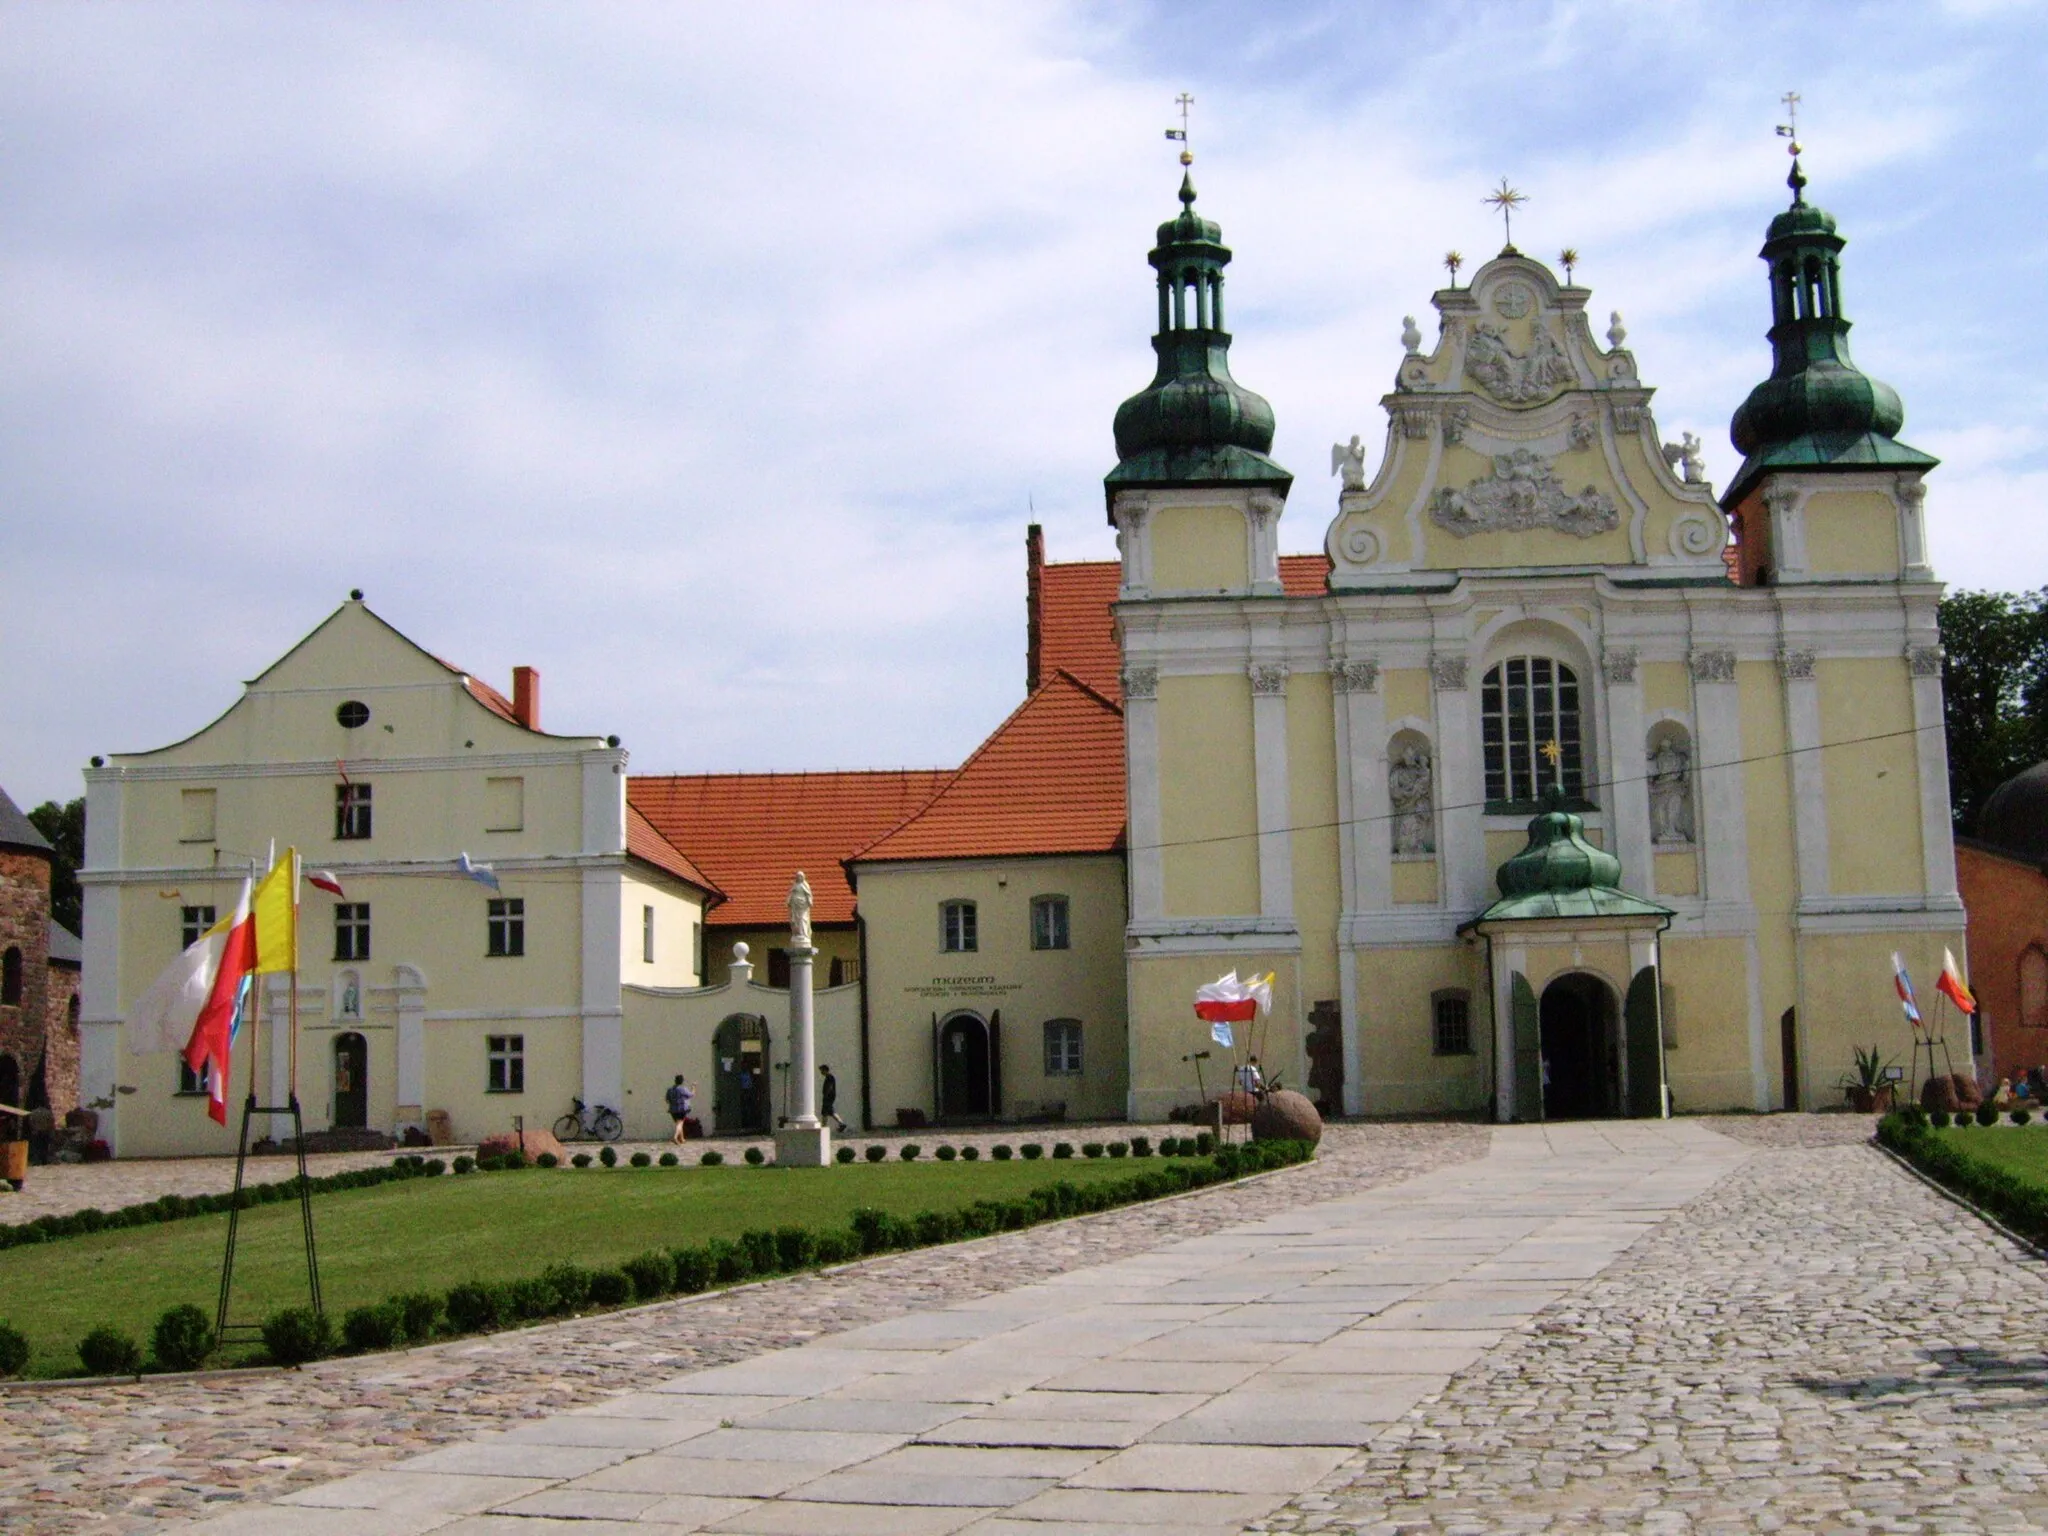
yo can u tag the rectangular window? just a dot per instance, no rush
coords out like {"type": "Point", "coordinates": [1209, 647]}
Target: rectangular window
{"type": "Point", "coordinates": [1062, 1047]}
{"type": "Point", "coordinates": [351, 812]}
{"type": "Point", "coordinates": [647, 935]}
{"type": "Point", "coordinates": [505, 805]}
{"type": "Point", "coordinates": [778, 967]}
{"type": "Point", "coordinates": [1048, 922]}
{"type": "Point", "coordinates": [697, 950]}
{"type": "Point", "coordinates": [352, 930]}
{"type": "Point", "coordinates": [506, 1056]}
{"type": "Point", "coordinates": [1451, 1023]}
{"type": "Point", "coordinates": [196, 808]}
{"type": "Point", "coordinates": [957, 928]}
{"type": "Point", "coordinates": [193, 923]}
{"type": "Point", "coordinates": [507, 928]}
{"type": "Point", "coordinates": [190, 1084]}
{"type": "Point", "coordinates": [844, 972]}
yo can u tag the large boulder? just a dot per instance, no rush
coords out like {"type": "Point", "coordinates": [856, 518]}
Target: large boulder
{"type": "Point", "coordinates": [1284, 1115]}
{"type": "Point", "coordinates": [532, 1143]}
{"type": "Point", "coordinates": [1237, 1107]}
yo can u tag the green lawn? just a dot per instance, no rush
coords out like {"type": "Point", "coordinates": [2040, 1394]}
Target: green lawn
{"type": "Point", "coordinates": [2020, 1150]}
{"type": "Point", "coordinates": [429, 1234]}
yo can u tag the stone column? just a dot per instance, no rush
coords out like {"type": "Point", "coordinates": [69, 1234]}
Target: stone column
{"type": "Point", "coordinates": [803, 1143]}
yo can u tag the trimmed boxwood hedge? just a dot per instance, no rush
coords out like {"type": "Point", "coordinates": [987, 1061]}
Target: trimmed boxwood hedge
{"type": "Point", "coordinates": [2021, 1205]}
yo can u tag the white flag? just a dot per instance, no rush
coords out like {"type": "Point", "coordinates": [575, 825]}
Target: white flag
{"type": "Point", "coordinates": [162, 1018]}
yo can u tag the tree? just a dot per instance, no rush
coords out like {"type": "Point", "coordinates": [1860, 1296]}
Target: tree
{"type": "Point", "coordinates": [64, 826]}
{"type": "Point", "coordinates": [1996, 683]}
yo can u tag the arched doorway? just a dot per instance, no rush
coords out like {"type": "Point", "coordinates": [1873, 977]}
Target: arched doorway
{"type": "Point", "coordinates": [12, 1128]}
{"type": "Point", "coordinates": [740, 1097]}
{"type": "Point", "coordinates": [1580, 1024]}
{"type": "Point", "coordinates": [351, 1082]}
{"type": "Point", "coordinates": [966, 1088]}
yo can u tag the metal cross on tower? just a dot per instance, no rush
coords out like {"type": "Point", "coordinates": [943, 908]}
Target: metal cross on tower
{"type": "Point", "coordinates": [1183, 101]}
{"type": "Point", "coordinates": [1789, 129]}
{"type": "Point", "coordinates": [1507, 200]}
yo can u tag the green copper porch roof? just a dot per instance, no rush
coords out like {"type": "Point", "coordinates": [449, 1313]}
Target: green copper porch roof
{"type": "Point", "coordinates": [1558, 874]}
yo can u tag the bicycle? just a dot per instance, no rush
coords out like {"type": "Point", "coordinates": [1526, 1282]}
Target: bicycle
{"type": "Point", "coordinates": [591, 1122]}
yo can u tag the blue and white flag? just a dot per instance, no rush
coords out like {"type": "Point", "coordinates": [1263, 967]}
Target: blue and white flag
{"type": "Point", "coordinates": [1221, 1034]}
{"type": "Point", "coordinates": [482, 874]}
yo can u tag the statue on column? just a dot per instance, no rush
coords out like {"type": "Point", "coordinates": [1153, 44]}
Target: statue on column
{"type": "Point", "coordinates": [1410, 791]}
{"type": "Point", "coordinates": [1671, 792]}
{"type": "Point", "coordinates": [800, 912]}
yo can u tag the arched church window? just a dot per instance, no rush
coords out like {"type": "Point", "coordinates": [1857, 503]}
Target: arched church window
{"type": "Point", "coordinates": [2034, 987]}
{"type": "Point", "coordinates": [1530, 728]}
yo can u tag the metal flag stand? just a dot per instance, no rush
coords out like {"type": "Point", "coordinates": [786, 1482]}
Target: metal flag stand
{"type": "Point", "coordinates": [1926, 1040]}
{"type": "Point", "coordinates": [224, 1331]}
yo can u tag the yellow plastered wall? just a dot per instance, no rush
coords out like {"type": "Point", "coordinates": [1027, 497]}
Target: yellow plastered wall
{"type": "Point", "coordinates": [1414, 882]}
{"type": "Point", "coordinates": [677, 913]}
{"type": "Point", "coordinates": [840, 942]}
{"type": "Point", "coordinates": [1407, 693]}
{"type": "Point", "coordinates": [1208, 799]}
{"type": "Point", "coordinates": [1200, 549]}
{"type": "Point", "coordinates": [1852, 533]}
{"type": "Point", "coordinates": [1707, 1014]}
{"type": "Point", "coordinates": [1666, 685]}
{"type": "Point", "coordinates": [1578, 470]}
{"type": "Point", "coordinates": [1851, 1000]}
{"type": "Point", "coordinates": [1873, 786]}
{"type": "Point", "coordinates": [910, 979]}
{"type": "Point", "coordinates": [1773, 870]}
{"type": "Point", "coordinates": [1677, 874]}
{"type": "Point", "coordinates": [1312, 810]}
{"type": "Point", "coordinates": [458, 1073]}
{"type": "Point", "coordinates": [1164, 1027]}
{"type": "Point", "coordinates": [171, 1124]}
{"type": "Point", "coordinates": [1396, 1030]}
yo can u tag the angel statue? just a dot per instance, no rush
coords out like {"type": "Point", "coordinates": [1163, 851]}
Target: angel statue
{"type": "Point", "coordinates": [800, 912]}
{"type": "Point", "coordinates": [1685, 457]}
{"type": "Point", "coordinates": [1349, 460]}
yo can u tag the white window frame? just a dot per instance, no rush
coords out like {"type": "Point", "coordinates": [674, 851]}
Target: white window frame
{"type": "Point", "coordinates": [959, 927]}
{"type": "Point", "coordinates": [505, 1064]}
{"type": "Point", "coordinates": [193, 922]}
{"type": "Point", "coordinates": [1051, 926]}
{"type": "Point", "coordinates": [352, 919]}
{"type": "Point", "coordinates": [1522, 765]}
{"type": "Point", "coordinates": [646, 935]}
{"type": "Point", "coordinates": [505, 928]}
{"type": "Point", "coordinates": [1063, 1056]}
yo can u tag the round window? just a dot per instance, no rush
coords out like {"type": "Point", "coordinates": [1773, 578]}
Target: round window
{"type": "Point", "coordinates": [353, 713]}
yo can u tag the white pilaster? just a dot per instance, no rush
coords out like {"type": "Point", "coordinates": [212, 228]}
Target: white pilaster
{"type": "Point", "coordinates": [412, 1045]}
{"type": "Point", "coordinates": [1132, 514]}
{"type": "Point", "coordinates": [99, 993]}
{"type": "Point", "coordinates": [1461, 783]}
{"type": "Point", "coordinates": [1786, 508]}
{"type": "Point", "coordinates": [604, 1054]}
{"type": "Point", "coordinates": [1509, 962]}
{"type": "Point", "coordinates": [1362, 841]}
{"type": "Point", "coordinates": [1627, 795]}
{"type": "Point", "coordinates": [1913, 555]}
{"type": "Point", "coordinates": [1141, 779]}
{"type": "Point", "coordinates": [1269, 755]}
{"type": "Point", "coordinates": [1262, 529]}
{"type": "Point", "coordinates": [1809, 780]}
{"type": "Point", "coordinates": [1724, 839]}
{"type": "Point", "coordinates": [1937, 832]}
{"type": "Point", "coordinates": [604, 801]}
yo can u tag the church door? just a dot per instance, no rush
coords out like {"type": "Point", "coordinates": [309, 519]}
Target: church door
{"type": "Point", "coordinates": [964, 1085]}
{"type": "Point", "coordinates": [1645, 1029]}
{"type": "Point", "coordinates": [351, 1082]}
{"type": "Point", "coordinates": [1581, 1050]}
{"type": "Point", "coordinates": [1528, 1049]}
{"type": "Point", "coordinates": [740, 1097]}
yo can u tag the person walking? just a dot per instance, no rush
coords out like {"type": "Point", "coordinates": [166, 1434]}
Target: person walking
{"type": "Point", "coordinates": [828, 1097]}
{"type": "Point", "coordinates": [679, 1101]}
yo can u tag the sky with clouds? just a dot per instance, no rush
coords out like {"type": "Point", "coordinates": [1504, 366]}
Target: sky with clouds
{"type": "Point", "coordinates": [713, 358]}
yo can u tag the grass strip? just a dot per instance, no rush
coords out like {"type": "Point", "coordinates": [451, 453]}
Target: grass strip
{"type": "Point", "coordinates": [2003, 1172]}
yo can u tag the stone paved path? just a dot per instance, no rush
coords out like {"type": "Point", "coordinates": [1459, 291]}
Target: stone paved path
{"type": "Point", "coordinates": [120, 1459]}
{"type": "Point", "coordinates": [1822, 1343]}
{"type": "Point", "coordinates": [1192, 1386]}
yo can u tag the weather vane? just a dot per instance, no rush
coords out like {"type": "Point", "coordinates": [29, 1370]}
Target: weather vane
{"type": "Point", "coordinates": [1183, 101]}
{"type": "Point", "coordinates": [1789, 130]}
{"type": "Point", "coordinates": [1507, 200]}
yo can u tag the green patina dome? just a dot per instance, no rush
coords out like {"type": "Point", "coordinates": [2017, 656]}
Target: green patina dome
{"type": "Point", "coordinates": [1558, 858]}
{"type": "Point", "coordinates": [1193, 424]}
{"type": "Point", "coordinates": [1817, 410]}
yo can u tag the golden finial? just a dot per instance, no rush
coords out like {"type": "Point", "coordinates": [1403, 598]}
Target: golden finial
{"type": "Point", "coordinates": [1183, 101]}
{"type": "Point", "coordinates": [1568, 258]}
{"type": "Point", "coordinates": [1452, 261]}
{"type": "Point", "coordinates": [1507, 200]}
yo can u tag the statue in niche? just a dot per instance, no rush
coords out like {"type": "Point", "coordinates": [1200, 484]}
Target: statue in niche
{"type": "Point", "coordinates": [1670, 792]}
{"type": "Point", "coordinates": [1410, 793]}
{"type": "Point", "coordinates": [351, 1000]}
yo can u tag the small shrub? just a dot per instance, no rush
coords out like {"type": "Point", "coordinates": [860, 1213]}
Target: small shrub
{"type": "Point", "coordinates": [474, 1307]}
{"type": "Point", "coordinates": [696, 1269]}
{"type": "Point", "coordinates": [1089, 1149]}
{"type": "Point", "coordinates": [513, 1159]}
{"type": "Point", "coordinates": [419, 1314]}
{"type": "Point", "coordinates": [298, 1335]}
{"type": "Point", "coordinates": [730, 1259]}
{"type": "Point", "coordinates": [878, 1231]}
{"type": "Point", "coordinates": [836, 1247]}
{"type": "Point", "coordinates": [843, 1155]}
{"type": "Point", "coordinates": [1169, 1146]}
{"type": "Point", "coordinates": [610, 1287]}
{"type": "Point", "coordinates": [761, 1251]}
{"type": "Point", "coordinates": [1063, 1149]}
{"type": "Point", "coordinates": [1118, 1149]}
{"type": "Point", "coordinates": [1939, 1118]}
{"type": "Point", "coordinates": [1141, 1146]}
{"type": "Point", "coordinates": [795, 1247]}
{"type": "Point", "coordinates": [532, 1298]}
{"type": "Point", "coordinates": [945, 1153]}
{"type": "Point", "coordinates": [653, 1274]}
{"type": "Point", "coordinates": [908, 1151]}
{"type": "Point", "coordinates": [1987, 1113]}
{"type": "Point", "coordinates": [490, 1163]}
{"type": "Point", "coordinates": [876, 1152]}
{"type": "Point", "coordinates": [668, 1160]}
{"type": "Point", "coordinates": [580, 1160]}
{"type": "Point", "coordinates": [1205, 1143]}
{"type": "Point", "coordinates": [465, 1164]}
{"type": "Point", "coordinates": [547, 1160]}
{"type": "Point", "coordinates": [1032, 1151]}
{"type": "Point", "coordinates": [1963, 1120]}
{"type": "Point", "coordinates": [371, 1328]}
{"type": "Point", "coordinates": [936, 1226]}
{"type": "Point", "coordinates": [13, 1351]}
{"type": "Point", "coordinates": [756, 1157]}
{"type": "Point", "coordinates": [642, 1160]}
{"type": "Point", "coordinates": [711, 1159]}
{"type": "Point", "coordinates": [182, 1338]}
{"type": "Point", "coordinates": [608, 1157]}
{"type": "Point", "coordinates": [1001, 1152]}
{"type": "Point", "coordinates": [2020, 1116]}
{"type": "Point", "coordinates": [433, 1167]}
{"type": "Point", "coordinates": [109, 1352]}
{"type": "Point", "coordinates": [970, 1154]}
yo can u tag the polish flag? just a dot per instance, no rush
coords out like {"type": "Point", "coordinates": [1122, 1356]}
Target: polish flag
{"type": "Point", "coordinates": [326, 880]}
{"type": "Point", "coordinates": [1951, 984]}
{"type": "Point", "coordinates": [1228, 1000]}
{"type": "Point", "coordinates": [213, 1032]}
{"type": "Point", "coordinates": [1905, 985]}
{"type": "Point", "coordinates": [162, 1018]}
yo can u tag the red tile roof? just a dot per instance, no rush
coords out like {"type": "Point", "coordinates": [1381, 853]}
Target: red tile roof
{"type": "Point", "coordinates": [751, 832]}
{"type": "Point", "coordinates": [1305, 575]}
{"type": "Point", "coordinates": [645, 842]}
{"type": "Point", "coordinates": [1050, 780]}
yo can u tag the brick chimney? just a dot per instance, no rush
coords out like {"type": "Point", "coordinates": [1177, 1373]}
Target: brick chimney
{"type": "Point", "coordinates": [526, 697]}
{"type": "Point", "coordinates": [1034, 566]}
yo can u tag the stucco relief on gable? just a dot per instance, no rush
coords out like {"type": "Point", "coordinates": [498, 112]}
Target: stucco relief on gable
{"type": "Point", "coordinates": [1523, 493]}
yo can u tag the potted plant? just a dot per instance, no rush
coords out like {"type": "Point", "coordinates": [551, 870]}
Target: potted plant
{"type": "Point", "coordinates": [1870, 1092]}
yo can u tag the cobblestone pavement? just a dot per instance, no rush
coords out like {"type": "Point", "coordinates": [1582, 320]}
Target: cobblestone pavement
{"type": "Point", "coordinates": [1821, 1343]}
{"type": "Point", "coordinates": [117, 1459]}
